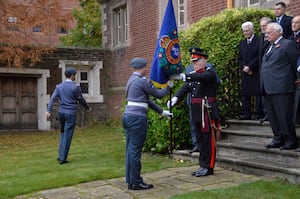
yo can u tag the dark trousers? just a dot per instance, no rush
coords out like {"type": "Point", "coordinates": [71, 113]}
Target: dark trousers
{"type": "Point", "coordinates": [67, 127]}
{"type": "Point", "coordinates": [296, 116]}
{"type": "Point", "coordinates": [193, 129]}
{"type": "Point", "coordinates": [207, 148]}
{"type": "Point", "coordinates": [280, 113]}
{"type": "Point", "coordinates": [246, 105]}
{"type": "Point", "coordinates": [136, 131]}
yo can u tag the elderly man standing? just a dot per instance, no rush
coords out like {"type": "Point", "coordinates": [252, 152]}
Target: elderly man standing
{"type": "Point", "coordinates": [277, 85]}
{"type": "Point", "coordinates": [248, 60]}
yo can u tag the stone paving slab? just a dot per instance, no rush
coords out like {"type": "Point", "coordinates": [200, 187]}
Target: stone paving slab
{"type": "Point", "coordinates": [166, 183]}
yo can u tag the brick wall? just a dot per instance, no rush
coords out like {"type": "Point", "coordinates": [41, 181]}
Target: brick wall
{"type": "Point", "coordinates": [143, 26]}
{"type": "Point", "coordinates": [294, 7]}
{"type": "Point", "coordinates": [199, 9]}
{"type": "Point", "coordinates": [100, 111]}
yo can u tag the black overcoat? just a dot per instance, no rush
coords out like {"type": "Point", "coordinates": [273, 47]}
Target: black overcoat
{"type": "Point", "coordinates": [249, 56]}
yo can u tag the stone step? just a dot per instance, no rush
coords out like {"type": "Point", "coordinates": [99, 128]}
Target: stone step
{"type": "Point", "coordinates": [248, 125]}
{"type": "Point", "coordinates": [253, 125]}
{"type": "Point", "coordinates": [252, 165]}
{"type": "Point", "coordinates": [262, 167]}
{"type": "Point", "coordinates": [257, 150]}
{"type": "Point", "coordinates": [234, 135]}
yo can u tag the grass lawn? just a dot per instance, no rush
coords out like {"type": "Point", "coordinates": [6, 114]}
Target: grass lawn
{"type": "Point", "coordinates": [257, 190]}
{"type": "Point", "coordinates": [28, 159]}
{"type": "Point", "coordinates": [28, 164]}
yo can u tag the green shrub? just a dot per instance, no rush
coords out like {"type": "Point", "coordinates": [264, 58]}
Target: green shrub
{"type": "Point", "coordinates": [219, 36]}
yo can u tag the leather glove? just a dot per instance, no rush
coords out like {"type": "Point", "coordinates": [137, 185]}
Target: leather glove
{"type": "Point", "coordinates": [167, 114]}
{"type": "Point", "coordinates": [170, 83]}
{"type": "Point", "coordinates": [173, 102]}
{"type": "Point", "coordinates": [180, 76]}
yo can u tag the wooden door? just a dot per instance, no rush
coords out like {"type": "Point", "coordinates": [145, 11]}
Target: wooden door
{"type": "Point", "coordinates": [18, 103]}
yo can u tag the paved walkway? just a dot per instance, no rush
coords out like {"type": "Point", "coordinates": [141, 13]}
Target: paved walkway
{"type": "Point", "coordinates": [166, 183]}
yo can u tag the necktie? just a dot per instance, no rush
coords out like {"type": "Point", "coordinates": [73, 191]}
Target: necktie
{"type": "Point", "coordinates": [278, 19]}
{"type": "Point", "coordinates": [295, 34]}
{"type": "Point", "coordinates": [248, 41]}
{"type": "Point", "coordinates": [270, 48]}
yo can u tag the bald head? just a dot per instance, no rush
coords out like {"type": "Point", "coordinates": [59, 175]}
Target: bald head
{"type": "Point", "coordinates": [296, 23]}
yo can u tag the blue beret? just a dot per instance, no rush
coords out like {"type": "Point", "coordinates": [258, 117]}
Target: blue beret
{"type": "Point", "coordinates": [70, 71]}
{"type": "Point", "coordinates": [138, 62]}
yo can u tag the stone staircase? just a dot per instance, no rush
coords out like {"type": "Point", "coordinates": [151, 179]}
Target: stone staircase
{"type": "Point", "coordinates": [241, 148]}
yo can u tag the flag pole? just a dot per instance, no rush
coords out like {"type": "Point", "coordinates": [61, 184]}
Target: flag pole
{"type": "Point", "coordinates": [171, 125]}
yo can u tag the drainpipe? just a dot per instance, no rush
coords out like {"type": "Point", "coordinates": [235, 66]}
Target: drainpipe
{"type": "Point", "coordinates": [229, 4]}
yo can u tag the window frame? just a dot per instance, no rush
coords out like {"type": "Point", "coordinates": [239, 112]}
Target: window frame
{"type": "Point", "coordinates": [178, 6]}
{"type": "Point", "coordinates": [120, 25]}
{"type": "Point", "coordinates": [93, 71]}
{"type": "Point", "coordinates": [249, 4]}
{"type": "Point", "coordinates": [12, 23]}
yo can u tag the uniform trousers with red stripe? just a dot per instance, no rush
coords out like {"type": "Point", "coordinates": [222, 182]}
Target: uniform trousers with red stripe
{"type": "Point", "coordinates": [207, 146]}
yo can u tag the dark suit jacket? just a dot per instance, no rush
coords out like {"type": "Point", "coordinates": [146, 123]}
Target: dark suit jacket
{"type": "Point", "coordinates": [263, 46]}
{"type": "Point", "coordinates": [278, 68]}
{"type": "Point", "coordinates": [248, 56]}
{"type": "Point", "coordinates": [286, 24]}
{"type": "Point", "coordinates": [297, 42]}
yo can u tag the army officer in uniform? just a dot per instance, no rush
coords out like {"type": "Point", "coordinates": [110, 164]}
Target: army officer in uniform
{"type": "Point", "coordinates": [202, 84]}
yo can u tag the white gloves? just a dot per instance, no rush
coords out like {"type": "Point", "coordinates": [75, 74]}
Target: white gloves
{"type": "Point", "coordinates": [298, 68]}
{"type": "Point", "coordinates": [180, 76]}
{"type": "Point", "coordinates": [167, 114]}
{"type": "Point", "coordinates": [170, 83]}
{"type": "Point", "coordinates": [173, 102]}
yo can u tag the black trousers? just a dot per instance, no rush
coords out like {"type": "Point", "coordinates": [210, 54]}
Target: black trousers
{"type": "Point", "coordinates": [280, 111]}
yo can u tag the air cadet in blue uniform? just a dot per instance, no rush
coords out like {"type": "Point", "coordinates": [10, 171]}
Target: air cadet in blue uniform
{"type": "Point", "coordinates": [69, 95]}
{"type": "Point", "coordinates": [202, 84]}
{"type": "Point", "coordinates": [135, 121]}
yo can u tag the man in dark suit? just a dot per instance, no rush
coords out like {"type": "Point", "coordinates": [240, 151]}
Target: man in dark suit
{"type": "Point", "coordinates": [283, 19]}
{"type": "Point", "coordinates": [277, 85]}
{"type": "Point", "coordinates": [296, 38]}
{"type": "Point", "coordinates": [248, 60]}
{"type": "Point", "coordinates": [263, 45]}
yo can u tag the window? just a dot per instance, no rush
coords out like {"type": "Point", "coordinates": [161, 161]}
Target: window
{"type": "Point", "coordinates": [253, 2]}
{"type": "Point", "coordinates": [37, 29]}
{"type": "Point", "coordinates": [179, 11]}
{"type": "Point", "coordinates": [82, 78]}
{"type": "Point", "coordinates": [120, 25]}
{"type": "Point", "coordinates": [87, 77]}
{"type": "Point", "coordinates": [12, 24]}
{"type": "Point", "coordinates": [62, 30]}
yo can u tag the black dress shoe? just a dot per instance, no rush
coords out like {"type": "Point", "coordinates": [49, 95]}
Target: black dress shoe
{"type": "Point", "coordinates": [195, 149]}
{"type": "Point", "coordinates": [63, 162]}
{"type": "Point", "coordinates": [298, 150]}
{"type": "Point", "coordinates": [288, 147]}
{"type": "Point", "coordinates": [200, 170]}
{"type": "Point", "coordinates": [262, 120]}
{"type": "Point", "coordinates": [204, 172]}
{"type": "Point", "coordinates": [273, 145]}
{"type": "Point", "coordinates": [244, 117]}
{"type": "Point", "coordinates": [140, 186]}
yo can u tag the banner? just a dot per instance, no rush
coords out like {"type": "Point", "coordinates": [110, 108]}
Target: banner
{"type": "Point", "coordinates": [166, 60]}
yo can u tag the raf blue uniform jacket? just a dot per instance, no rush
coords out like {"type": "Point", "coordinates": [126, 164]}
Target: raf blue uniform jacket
{"type": "Point", "coordinates": [139, 89]}
{"type": "Point", "coordinates": [69, 95]}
